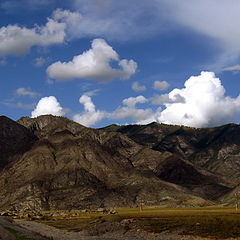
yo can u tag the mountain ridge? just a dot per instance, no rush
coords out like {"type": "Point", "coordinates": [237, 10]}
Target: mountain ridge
{"type": "Point", "coordinates": [66, 165]}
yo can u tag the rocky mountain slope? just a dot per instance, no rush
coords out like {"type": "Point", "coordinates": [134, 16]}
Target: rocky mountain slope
{"type": "Point", "coordinates": [214, 149]}
{"type": "Point", "coordinates": [54, 163]}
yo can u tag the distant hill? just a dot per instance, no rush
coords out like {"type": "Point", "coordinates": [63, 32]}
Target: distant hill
{"type": "Point", "coordinates": [54, 163]}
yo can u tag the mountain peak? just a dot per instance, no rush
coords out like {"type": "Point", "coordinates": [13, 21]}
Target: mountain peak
{"type": "Point", "coordinates": [45, 124]}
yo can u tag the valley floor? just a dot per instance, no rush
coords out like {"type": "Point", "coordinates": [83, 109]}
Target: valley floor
{"type": "Point", "coordinates": [129, 224]}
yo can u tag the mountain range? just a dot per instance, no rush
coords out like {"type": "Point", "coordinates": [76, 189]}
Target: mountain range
{"type": "Point", "coordinates": [51, 162]}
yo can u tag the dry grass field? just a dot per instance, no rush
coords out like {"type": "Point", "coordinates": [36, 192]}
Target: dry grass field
{"type": "Point", "coordinates": [214, 222]}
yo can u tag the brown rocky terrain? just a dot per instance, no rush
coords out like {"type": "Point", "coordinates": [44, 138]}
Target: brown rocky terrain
{"type": "Point", "coordinates": [214, 149]}
{"type": "Point", "coordinates": [54, 163]}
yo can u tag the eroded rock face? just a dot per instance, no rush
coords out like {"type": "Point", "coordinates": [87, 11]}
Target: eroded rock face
{"type": "Point", "coordinates": [56, 163]}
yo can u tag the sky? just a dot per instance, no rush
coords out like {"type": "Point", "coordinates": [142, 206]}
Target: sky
{"type": "Point", "coordinates": [102, 62]}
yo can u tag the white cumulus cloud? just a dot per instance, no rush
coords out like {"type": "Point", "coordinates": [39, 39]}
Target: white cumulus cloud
{"type": "Point", "coordinates": [166, 98]}
{"type": "Point", "coordinates": [137, 115]}
{"type": "Point", "coordinates": [132, 101]}
{"type": "Point", "coordinates": [205, 103]}
{"type": "Point", "coordinates": [70, 19]}
{"type": "Point", "coordinates": [160, 85]}
{"type": "Point", "coordinates": [93, 64]}
{"type": "Point", "coordinates": [48, 105]}
{"type": "Point", "coordinates": [90, 116]}
{"type": "Point", "coordinates": [137, 87]}
{"type": "Point", "coordinates": [17, 40]}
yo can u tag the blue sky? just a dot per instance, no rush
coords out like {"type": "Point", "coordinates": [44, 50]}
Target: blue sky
{"type": "Point", "coordinates": [100, 62]}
